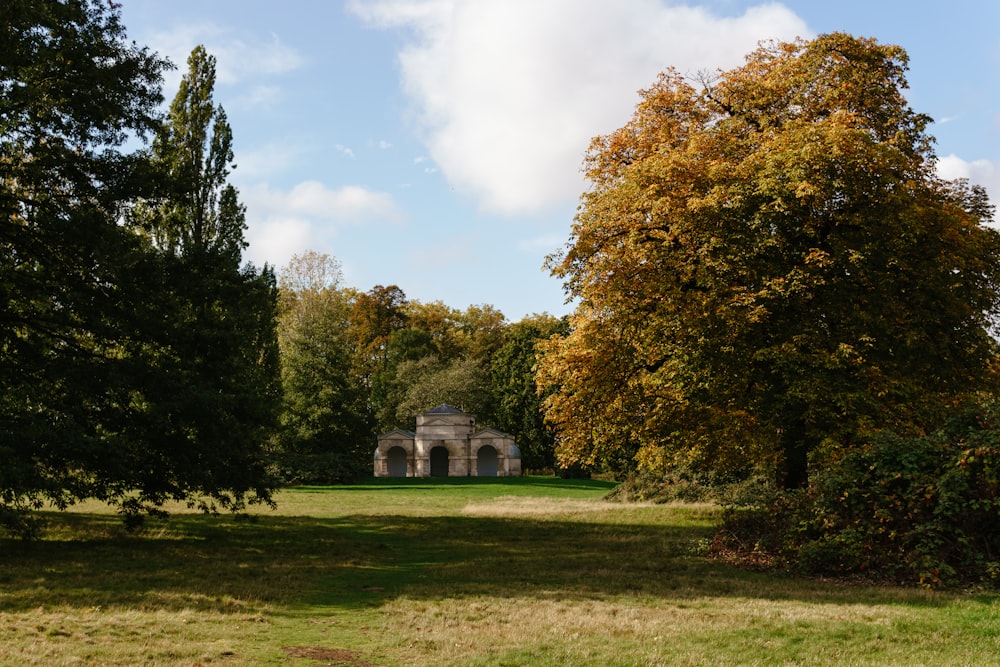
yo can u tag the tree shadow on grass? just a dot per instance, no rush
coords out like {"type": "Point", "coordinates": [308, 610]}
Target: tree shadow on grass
{"type": "Point", "coordinates": [219, 564]}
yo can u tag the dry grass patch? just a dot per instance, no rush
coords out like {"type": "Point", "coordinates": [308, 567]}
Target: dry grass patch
{"type": "Point", "coordinates": [331, 656]}
{"type": "Point", "coordinates": [623, 631]}
{"type": "Point", "coordinates": [519, 506]}
{"type": "Point", "coordinates": [124, 637]}
{"type": "Point", "coordinates": [471, 575]}
{"type": "Point", "coordinates": [590, 511]}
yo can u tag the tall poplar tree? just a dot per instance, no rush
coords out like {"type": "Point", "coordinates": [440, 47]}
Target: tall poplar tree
{"type": "Point", "coordinates": [201, 213]}
{"type": "Point", "coordinates": [220, 405]}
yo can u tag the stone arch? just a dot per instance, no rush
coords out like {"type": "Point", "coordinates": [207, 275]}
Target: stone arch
{"type": "Point", "coordinates": [487, 461]}
{"type": "Point", "coordinates": [439, 461]}
{"type": "Point", "coordinates": [397, 463]}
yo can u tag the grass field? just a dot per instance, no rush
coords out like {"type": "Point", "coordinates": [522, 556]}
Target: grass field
{"type": "Point", "coordinates": [531, 571]}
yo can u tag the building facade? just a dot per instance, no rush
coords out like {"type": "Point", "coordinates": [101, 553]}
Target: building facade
{"type": "Point", "coordinates": [447, 444]}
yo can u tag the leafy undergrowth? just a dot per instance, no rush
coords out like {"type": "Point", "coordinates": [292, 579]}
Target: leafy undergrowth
{"type": "Point", "coordinates": [521, 573]}
{"type": "Point", "coordinates": [912, 510]}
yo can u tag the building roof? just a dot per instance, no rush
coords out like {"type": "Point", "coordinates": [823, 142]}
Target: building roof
{"type": "Point", "coordinates": [398, 432]}
{"type": "Point", "coordinates": [491, 432]}
{"type": "Point", "coordinates": [444, 409]}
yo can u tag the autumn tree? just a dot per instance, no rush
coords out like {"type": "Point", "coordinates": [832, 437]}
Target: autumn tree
{"type": "Point", "coordinates": [325, 432]}
{"type": "Point", "coordinates": [375, 315]}
{"type": "Point", "coordinates": [767, 268]}
{"type": "Point", "coordinates": [440, 323]}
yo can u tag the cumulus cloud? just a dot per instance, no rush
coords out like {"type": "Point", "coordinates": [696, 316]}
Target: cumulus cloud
{"type": "Point", "coordinates": [508, 94]}
{"type": "Point", "coordinates": [979, 172]}
{"type": "Point", "coordinates": [283, 222]}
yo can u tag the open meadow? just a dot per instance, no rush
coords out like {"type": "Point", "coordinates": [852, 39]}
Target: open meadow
{"type": "Point", "coordinates": [528, 571]}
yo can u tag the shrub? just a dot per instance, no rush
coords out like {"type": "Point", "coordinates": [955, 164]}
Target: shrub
{"type": "Point", "coordinates": [687, 484]}
{"type": "Point", "coordinates": [914, 509]}
{"type": "Point", "coordinates": [295, 468]}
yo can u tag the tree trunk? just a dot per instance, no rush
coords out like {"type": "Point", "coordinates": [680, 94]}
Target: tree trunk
{"type": "Point", "coordinates": [793, 468]}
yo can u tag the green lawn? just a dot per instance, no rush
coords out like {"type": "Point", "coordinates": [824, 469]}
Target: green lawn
{"type": "Point", "coordinates": [531, 571]}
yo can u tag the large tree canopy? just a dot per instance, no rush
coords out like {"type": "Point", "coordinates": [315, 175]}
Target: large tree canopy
{"type": "Point", "coordinates": [217, 398]}
{"type": "Point", "coordinates": [123, 375]}
{"type": "Point", "coordinates": [72, 91]}
{"type": "Point", "coordinates": [766, 266]}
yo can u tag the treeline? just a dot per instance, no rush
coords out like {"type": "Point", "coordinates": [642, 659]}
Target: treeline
{"type": "Point", "coordinates": [774, 289]}
{"type": "Point", "coordinates": [141, 359]}
{"type": "Point", "coordinates": [355, 364]}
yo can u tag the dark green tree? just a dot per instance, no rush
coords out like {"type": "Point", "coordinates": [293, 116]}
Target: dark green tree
{"type": "Point", "coordinates": [516, 400]}
{"type": "Point", "coordinates": [325, 435]}
{"type": "Point", "coordinates": [442, 355]}
{"type": "Point", "coordinates": [219, 331]}
{"type": "Point", "coordinates": [429, 382]}
{"type": "Point", "coordinates": [73, 281]}
{"type": "Point", "coordinates": [201, 213]}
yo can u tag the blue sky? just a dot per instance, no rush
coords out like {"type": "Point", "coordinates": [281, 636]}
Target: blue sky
{"type": "Point", "coordinates": [436, 144]}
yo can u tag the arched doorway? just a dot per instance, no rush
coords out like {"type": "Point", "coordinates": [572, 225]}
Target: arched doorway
{"type": "Point", "coordinates": [397, 462]}
{"type": "Point", "coordinates": [439, 462]}
{"type": "Point", "coordinates": [486, 461]}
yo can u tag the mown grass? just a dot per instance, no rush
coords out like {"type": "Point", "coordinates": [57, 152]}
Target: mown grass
{"type": "Point", "coordinates": [534, 571]}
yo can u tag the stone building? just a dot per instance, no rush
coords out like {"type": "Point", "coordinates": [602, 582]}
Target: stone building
{"type": "Point", "coordinates": [446, 444]}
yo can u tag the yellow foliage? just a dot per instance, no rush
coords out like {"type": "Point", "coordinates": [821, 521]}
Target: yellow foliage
{"type": "Point", "coordinates": [764, 259]}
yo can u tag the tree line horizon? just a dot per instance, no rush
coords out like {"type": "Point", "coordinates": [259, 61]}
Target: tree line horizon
{"type": "Point", "coordinates": [771, 285]}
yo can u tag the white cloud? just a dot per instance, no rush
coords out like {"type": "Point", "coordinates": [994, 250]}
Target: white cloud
{"type": "Point", "coordinates": [345, 151]}
{"type": "Point", "coordinates": [266, 161]}
{"type": "Point", "coordinates": [259, 96]}
{"type": "Point", "coordinates": [281, 223]}
{"type": "Point", "coordinates": [239, 58]}
{"type": "Point", "coordinates": [510, 93]}
{"type": "Point", "coordinates": [275, 240]}
{"type": "Point", "coordinates": [346, 204]}
{"type": "Point", "coordinates": [979, 172]}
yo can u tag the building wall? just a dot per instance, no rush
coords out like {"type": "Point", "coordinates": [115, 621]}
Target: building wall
{"type": "Point", "coordinates": [454, 430]}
